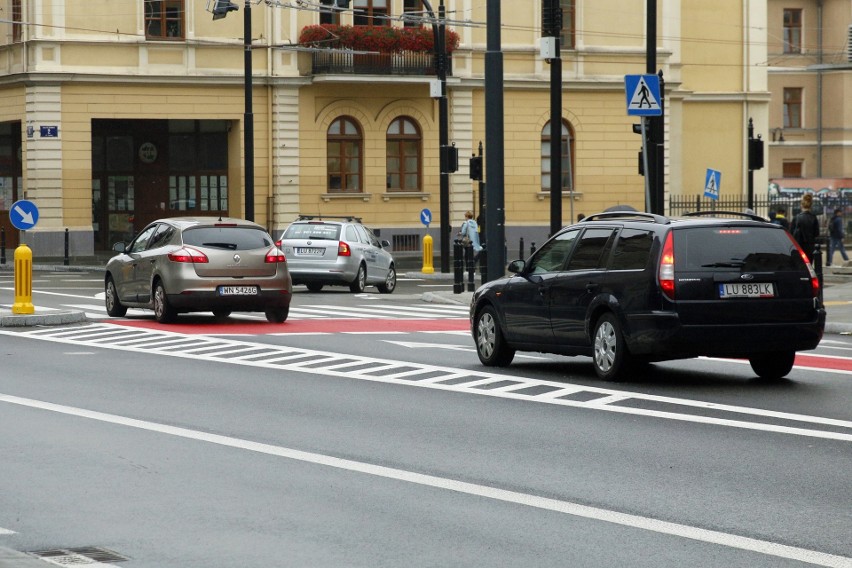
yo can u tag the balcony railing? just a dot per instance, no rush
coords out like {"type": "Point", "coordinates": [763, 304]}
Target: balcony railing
{"type": "Point", "coordinates": [408, 63]}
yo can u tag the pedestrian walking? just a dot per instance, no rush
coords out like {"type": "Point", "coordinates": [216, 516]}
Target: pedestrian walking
{"type": "Point", "coordinates": [805, 227]}
{"type": "Point", "coordinates": [835, 237]}
{"type": "Point", "coordinates": [469, 234]}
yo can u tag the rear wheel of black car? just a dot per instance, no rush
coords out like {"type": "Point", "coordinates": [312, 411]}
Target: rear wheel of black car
{"type": "Point", "coordinates": [277, 315]}
{"type": "Point", "coordinates": [389, 285]}
{"type": "Point", "coordinates": [314, 287]}
{"type": "Point", "coordinates": [113, 305]}
{"type": "Point", "coordinates": [491, 346]}
{"type": "Point", "coordinates": [163, 310]}
{"type": "Point", "coordinates": [610, 351]}
{"type": "Point", "coordinates": [360, 281]}
{"type": "Point", "coordinates": [773, 366]}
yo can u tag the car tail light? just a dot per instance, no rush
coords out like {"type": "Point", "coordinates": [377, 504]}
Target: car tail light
{"type": "Point", "coordinates": [811, 271]}
{"type": "Point", "coordinates": [343, 249]}
{"type": "Point", "coordinates": [667, 283]}
{"type": "Point", "coordinates": [188, 254]}
{"type": "Point", "coordinates": [274, 256]}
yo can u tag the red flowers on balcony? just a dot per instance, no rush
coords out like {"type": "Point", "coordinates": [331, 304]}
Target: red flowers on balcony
{"type": "Point", "coordinates": [382, 39]}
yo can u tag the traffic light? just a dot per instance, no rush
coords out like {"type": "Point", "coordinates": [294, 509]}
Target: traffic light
{"type": "Point", "coordinates": [641, 156]}
{"type": "Point", "coordinates": [476, 168]}
{"type": "Point", "coordinates": [755, 154]}
{"type": "Point", "coordinates": [551, 18]}
{"type": "Point", "coordinates": [450, 159]}
{"type": "Point", "coordinates": [222, 7]}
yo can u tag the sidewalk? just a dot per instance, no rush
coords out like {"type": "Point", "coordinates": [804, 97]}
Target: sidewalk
{"type": "Point", "coordinates": [837, 295]}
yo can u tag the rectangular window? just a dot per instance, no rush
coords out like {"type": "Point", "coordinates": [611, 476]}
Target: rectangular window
{"type": "Point", "coordinates": [566, 38]}
{"type": "Point", "coordinates": [792, 30]}
{"type": "Point", "coordinates": [412, 13]}
{"type": "Point", "coordinates": [792, 107]}
{"type": "Point", "coordinates": [17, 19]}
{"type": "Point", "coordinates": [164, 19]}
{"type": "Point", "coordinates": [329, 15]}
{"type": "Point", "coordinates": [792, 169]}
{"type": "Point", "coordinates": [371, 12]}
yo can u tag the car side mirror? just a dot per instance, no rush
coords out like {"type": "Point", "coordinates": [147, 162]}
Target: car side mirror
{"type": "Point", "coordinates": [385, 244]}
{"type": "Point", "coordinates": [119, 247]}
{"type": "Point", "coordinates": [517, 266]}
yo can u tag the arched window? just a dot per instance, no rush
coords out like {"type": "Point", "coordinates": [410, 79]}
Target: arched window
{"type": "Point", "coordinates": [344, 143]}
{"type": "Point", "coordinates": [567, 157]}
{"type": "Point", "coordinates": [403, 155]}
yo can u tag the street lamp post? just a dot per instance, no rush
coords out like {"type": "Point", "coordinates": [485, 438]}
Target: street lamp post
{"type": "Point", "coordinates": [248, 116]}
{"type": "Point", "coordinates": [438, 34]}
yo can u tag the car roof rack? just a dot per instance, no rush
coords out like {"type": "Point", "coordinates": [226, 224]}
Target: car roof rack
{"type": "Point", "coordinates": [752, 216]}
{"type": "Point", "coordinates": [606, 215]}
{"type": "Point", "coordinates": [349, 218]}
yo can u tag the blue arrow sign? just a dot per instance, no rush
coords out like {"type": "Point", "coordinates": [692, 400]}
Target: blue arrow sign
{"type": "Point", "coordinates": [426, 217]}
{"type": "Point", "coordinates": [23, 214]}
{"type": "Point", "coordinates": [643, 95]}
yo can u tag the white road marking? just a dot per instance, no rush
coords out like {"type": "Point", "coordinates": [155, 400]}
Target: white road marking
{"type": "Point", "coordinates": [651, 524]}
{"type": "Point", "coordinates": [6, 531]}
{"type": "Point", "coordinates": [205, 348]}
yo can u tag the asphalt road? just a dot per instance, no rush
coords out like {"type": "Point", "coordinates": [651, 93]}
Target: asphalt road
{"type": "Point", "coordinates": [389, 447]}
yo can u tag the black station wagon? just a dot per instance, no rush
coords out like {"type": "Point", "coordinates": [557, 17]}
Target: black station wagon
{"type": "Point", "coordinates": [628, 287]}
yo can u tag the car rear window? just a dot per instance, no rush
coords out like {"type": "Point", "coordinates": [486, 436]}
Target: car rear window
{"type": "Point", "coordinates": [632, 250]}
{"type": "Point", "coordinates": [752, 249]}
{"type": "Point", "coordinates": [229, 238]}
{"type": "Point", "coordinates": [313, 231]}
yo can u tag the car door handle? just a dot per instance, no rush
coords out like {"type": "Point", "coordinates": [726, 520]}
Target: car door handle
{"type": "Point", "coordinates": [592, 286]}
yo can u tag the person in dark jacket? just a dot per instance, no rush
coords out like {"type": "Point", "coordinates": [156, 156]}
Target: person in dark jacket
{"type": "Point", "coordinates": [805, 227]}
{"type": "Point", "coordinates": [835, 237]}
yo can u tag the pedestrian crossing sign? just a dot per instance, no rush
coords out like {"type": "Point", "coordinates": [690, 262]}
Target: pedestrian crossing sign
{"type": "Point", "coordinates": [711, 183]}
{"type": "Point", "coordinates": [643, 95]}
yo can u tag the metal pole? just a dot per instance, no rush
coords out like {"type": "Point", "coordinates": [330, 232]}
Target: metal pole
{"type": "Point", "coordinates": [444, 134]}
{"type": "Point", "coordinates": [748, 165]}
{"type": "Point", "coordinates": [248, 117]}
{"type": "Point", "coordinates": [556, 138]}
{"type": "Point", "coordinates": [494, 130]}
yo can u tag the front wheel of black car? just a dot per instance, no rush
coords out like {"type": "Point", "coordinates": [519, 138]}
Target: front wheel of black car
{"type": "Point", "coordinates": [773, 366]}
{"type": "Point", "coordinates": [610, 351]}
{"type": "Point", "coordinates": [491, 346]}
{"type": "Point", "coordinates": [113, 305]}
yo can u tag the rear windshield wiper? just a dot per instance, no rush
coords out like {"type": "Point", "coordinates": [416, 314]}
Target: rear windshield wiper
{"type": "Point", "coordinates": [229, 246]}
{"type": "Point", "coordinates": [729, 264]}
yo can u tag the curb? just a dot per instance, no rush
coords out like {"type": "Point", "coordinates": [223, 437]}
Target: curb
{"type": "Point", "coordinates": [8, 319]}
{"type": "Point", "coordinates": [10, 558]}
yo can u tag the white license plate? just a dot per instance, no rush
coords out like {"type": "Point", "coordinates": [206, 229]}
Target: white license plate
{"type": "Point", "coordinates": [310, 251]}
{"type": "Point", "coordinates": [747, 290]}
{"type": "Point", "coordinates": [238, 290]}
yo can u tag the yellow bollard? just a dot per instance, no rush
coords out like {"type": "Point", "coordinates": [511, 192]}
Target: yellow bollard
{"type": "Point", "coordinates": [427, 255]}
{"type": "Point", "coordinates": [23, 281]}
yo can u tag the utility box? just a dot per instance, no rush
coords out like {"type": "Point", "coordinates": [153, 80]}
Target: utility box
{"type": "Point", "coordinates": [548, 48]}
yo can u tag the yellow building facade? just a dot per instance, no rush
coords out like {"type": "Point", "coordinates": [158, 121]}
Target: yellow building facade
{"type": "Point", "coordinates": [117, 113]}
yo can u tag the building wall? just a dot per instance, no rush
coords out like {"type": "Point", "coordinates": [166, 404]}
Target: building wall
{"type": "Point", "coordinates": [90, 59]}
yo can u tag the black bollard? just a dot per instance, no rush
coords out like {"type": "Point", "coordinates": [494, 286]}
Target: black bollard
{"type": "Point", "coordinates": [2, 245]}
{"type": "Point", "coordinates": [483, 265]}
{"type": "Point", "coordinates": [532, 248]}
{"type": "Point", "coordinates": [471, 267]}
{"type": "Point", "coordinates": [458, 267]}
{"type": "Point", "coordinates": [66, 260]}
{"type": "Point", "coordinates": [521, 249]}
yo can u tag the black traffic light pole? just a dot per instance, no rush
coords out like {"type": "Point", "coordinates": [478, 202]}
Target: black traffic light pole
{"type": "Point", "coordinates": [755, 160]}
{"type": "Point", "coordinates": [495, 214]}
{"type": "Point", "coordinates": [220, 10]}
{"type": "Point", "coordinates": [552, 28]}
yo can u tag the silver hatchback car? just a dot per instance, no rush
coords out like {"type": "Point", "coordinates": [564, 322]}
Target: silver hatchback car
{"type": "Point", "coordinates": [199, 264]}
{"type": "Point", "coordinates": [337, 251]}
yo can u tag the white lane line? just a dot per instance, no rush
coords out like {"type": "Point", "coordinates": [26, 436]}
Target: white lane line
{"type": "Point", "coordinates": [6, 531]}
{"type": "Point", "coordinates": [651, 524]}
